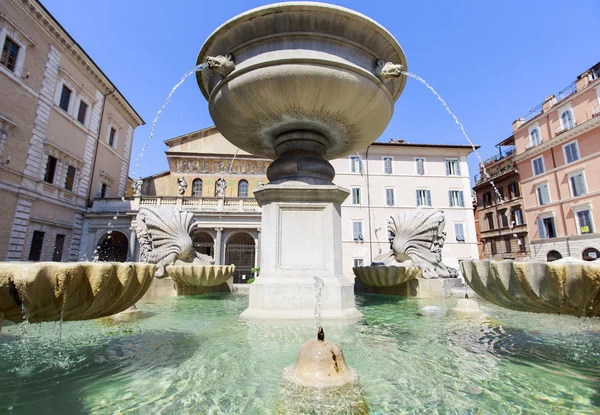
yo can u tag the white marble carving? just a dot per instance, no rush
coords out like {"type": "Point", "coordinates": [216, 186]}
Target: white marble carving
{"type": "Point", "coordinates": [182, 185]}
{"type": "Point", "coordinates": [223, 65]}
{"type": "Point", "coordinates": [386, 71]}
{"type": "Point", "coordinates": [137, 187]}
{"type": "Point", "coordinates": [221, 186]}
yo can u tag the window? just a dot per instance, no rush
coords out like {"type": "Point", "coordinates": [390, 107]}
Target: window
{"type": "Point", "coordinates": [359, 262]}
{"type": "Point", "coordinates": [584, 222]}
{"type": "Point", "coordinates": [111, 136]}
{"type": "Point", "coordinates": [420, 165]}
{"type": "Point", "coordinates": [577, 184]}
{"type": "Point", "coordinates": [387, 165]}
{"type": "Point", "coordinates": [355, 164]}
{"type": "Point", "coordinates": [389, 197]}
{"type": "Point", "coordinates": [82, 111]}
{"type": "Point", "coordinates": [70, 179]}
{"type": "Point", "coordinates": [518, 215]}
{"type": "Point", "coordinates": [493, 247]}
{"type": "Point", "coordinates": [499, 194]}
{"type": "Point", "coordinates": [521, 242]}
{"type": "Point", "coordinates": [58, 247]}
{"type": "Point", "coordinates": [243, 188]}
{"type": "Point", "coordinates": [507, 245]}
{"type": "Point", "coordinates": [590, 254]}
{"type": "Point", "coordinates": [502, 219]}
{"type": "Point", "coordinates": [50, 169]}
{"type": "Point", "coordinates": [571, 152]}
{"type": "Point", "coordinates": [513, 190]}
{"type": "Point", "coordinates": [534, 137]}
{"type": "Point", "coordinates": [456, 198]}
{"type": "Point", "coordinates": [452, 168]}
{"type": "Point", "coordinates": [197, 188]}
{"type": "Point", "coordinates": [37, 243]}
{"type": "Point", "coordinates": [566, 120]}
{"type": "Point", "coordinates": [542, 194]}
{"type": "Point", "coordinates": [538, 166]}
{"type": "Point", "coordinates": [65, 97]}
{"type": "Point", "coordinates": [487, 199]}
{"type": "Point", "coordinates": [10, 51]}
{"type": "Point", "coordinates": [357, 231]}
{"type": "Point", "coordinates": [546, 228]}
{"type": "Point", "coordinates": [423, 197]}
{"type": "Point", "coordinates": [490, 221]}
{"type": "Point", "coordinates": [553, 256]}
{"type": "Point", "coordinates": [459, 232]}
{"type": "Point", "coordinates": [103, 190]}
{"type": "Point", "coordinates": [356, 195]}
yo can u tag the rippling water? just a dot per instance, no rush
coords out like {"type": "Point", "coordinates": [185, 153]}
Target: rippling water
{"type": "Point", "coordinates": [192, 355]}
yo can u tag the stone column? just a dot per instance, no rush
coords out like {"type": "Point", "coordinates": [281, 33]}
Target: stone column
{"type": "Point", "coordinates": [218, 247]}
{"type": "Point", "coordinates": [257, 254]}
{"type": "Point", "coordinates": [132, 243]}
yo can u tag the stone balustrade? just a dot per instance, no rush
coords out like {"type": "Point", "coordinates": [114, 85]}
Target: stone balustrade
{"type": "Point", "coordinates": [196, 204]}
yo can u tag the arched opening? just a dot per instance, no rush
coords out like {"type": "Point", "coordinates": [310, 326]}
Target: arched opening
{"type": "Point", "coordinates": [240, 251]}
{"type": "Point", "coordinates": [203, 243]}
{"type": "Point", "coordinates": [243, 188]}
{"type": "Point", "coordinates": [113, 247]}
{"type": "Point", "coordinates": [553, 256]}
{"type": "Point", "coordinates": [197, 188]}
{"type": "Point", "coordinates": [590, 254]}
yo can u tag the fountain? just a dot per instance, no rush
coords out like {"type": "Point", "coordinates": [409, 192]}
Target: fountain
{"type": "Point", "coordinates": [322, 88]}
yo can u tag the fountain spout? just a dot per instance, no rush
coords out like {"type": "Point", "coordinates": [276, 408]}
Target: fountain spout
{"type": "Point", "coordinates": [386, 71]}
{"type": "Point", "coordinates": [223, 65]}
{"type": "Point", "coordinates": [321, 334]}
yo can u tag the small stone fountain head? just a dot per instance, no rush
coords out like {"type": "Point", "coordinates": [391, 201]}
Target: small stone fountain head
{"type": "Point", "coordinates": [321, 334]}
{"type": "Point", "coordinates": [223, 65]}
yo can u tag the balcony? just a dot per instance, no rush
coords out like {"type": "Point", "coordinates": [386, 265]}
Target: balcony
{"type": "Point", "coordinates": [502, 155]}
{"type": "Point", "coordinates": [561, 96]}
{"type": "Point", "coordinates": [193, 204]}
{"type": "Point", "coordinates": [498, 170]}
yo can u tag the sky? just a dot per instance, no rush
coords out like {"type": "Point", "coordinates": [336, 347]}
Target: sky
{"type": "Point", "coordinates": [492, 61]}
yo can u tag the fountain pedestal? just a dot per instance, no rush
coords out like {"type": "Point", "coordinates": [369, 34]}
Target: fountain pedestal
{"type": "Point", "coordinates": [303, 241]}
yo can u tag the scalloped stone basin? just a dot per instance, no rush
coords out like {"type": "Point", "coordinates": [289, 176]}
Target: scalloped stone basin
{"type": "Point", "coordinates": [49, 291]}
{"type": "Point", "coordinates": [386, 276]}
{"type": "Point", "coordinates": [566, 286]}
{"type": "Point", "coordinates": [195, 279]}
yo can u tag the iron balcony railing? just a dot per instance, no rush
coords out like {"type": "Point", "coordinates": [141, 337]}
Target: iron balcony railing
{"type": "Point", "coordinates": [498, 157]}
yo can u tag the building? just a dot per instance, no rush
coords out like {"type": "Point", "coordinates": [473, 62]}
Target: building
{"type": "Point", "coordinates": [503, 227]}
{"type": "Point", "coordinates": [384, 179]}
{"type": "Point", "coordinates": [65, 135]}
{"type": "Point", "coordinates": [558, 159]}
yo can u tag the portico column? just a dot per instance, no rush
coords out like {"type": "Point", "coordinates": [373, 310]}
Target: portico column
{"type": "Point", "coordinates": [218, 247]}
{"type": "Point", "coordinates": [257, 249]}
{"type": "Point", "coordinates": [132, 242]}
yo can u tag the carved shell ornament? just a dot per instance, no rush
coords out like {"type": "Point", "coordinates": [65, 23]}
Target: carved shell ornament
{"type": "Point", "coordinates": [164, 236]}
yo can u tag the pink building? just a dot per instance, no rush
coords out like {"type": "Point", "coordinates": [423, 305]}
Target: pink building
{"type": "Point", "coordinates": [558, 159]}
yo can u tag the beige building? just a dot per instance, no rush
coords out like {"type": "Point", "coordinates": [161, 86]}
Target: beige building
{"type": "Point", "coordinates": [384, 179]}
{"type": "Point", "coordinates": [65, 135]}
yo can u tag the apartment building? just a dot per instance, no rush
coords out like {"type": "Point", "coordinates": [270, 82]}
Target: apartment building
{"type": "Point", "coordinates": [500, 206]}
{"type": "Point", "coordinates": [558, 159]}
{"type": "Point", "coordinates": [65, 135]}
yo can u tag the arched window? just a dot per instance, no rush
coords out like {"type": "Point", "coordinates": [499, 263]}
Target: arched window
{"type": "Point", "coordinates": [566, 120]}
{"type": "Point", "coordinates": [553, 256]}
{"type": "Point", "coordinates": [197, 188]}
{"type": "Point", "coordinates": [590, 254]}
{"type": "Point", "coordinates": [535, 136]}
{"type": "Point", "coordinates": [242, 188]}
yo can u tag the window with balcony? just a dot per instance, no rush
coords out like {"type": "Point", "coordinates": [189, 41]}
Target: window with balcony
{"type": "Point", "coordinates": [452, 168]}
{"type": "Point", "coordinates": [10, 51]}
{"type": "Point", "coordinates": [37, 244]}
{"type": "Point", "coordinates": [490, 221]}
{"type": "Point", "coordinates": [459, 231]}
{"type": "Point", "coordinates": [584, 221]}
{"type": "Point", "coordinates": [577, 182]}
{"type": "Point", "coordinates": [518, 215]}
{"type": "Point", "coordinates": [566, 120]}
{"type": "Point", "coordinates": [82, 112]}
{"type": "Point", "coordinates": [387, 165]}
{"type": "Point", "coordinates": [357, 230]}
{"type": "Point", "coordinates": [197, 188]}
{"type": "Point", "coordinates": [487, 199]}
{"type": "Point", "coordinates": [571, 152]}
{"type": "Point", "coordinates": [355, 164]}
{"type": "Point", "coordinates": [534, 137]}
{"type": "Point", "coordinates": [50, 169]}
{"type": "Point", "coordinates": [546, 228]}
{"type": "Point", "coordinates": [456, 198]}
{"type": "Point", "coordinates": [242, 188]}
{"type": "Point", "coordinates": [70, 178]}
{"type": "Point", "coordinates": [423, 197]}
{"type": "Point", "coordinates": [513, 190]}
{"type": "Point", "coordinates": [65, 98]}
{"type": "Point", "coordinates": [420, 166]}
{"type": "Point", "coordinates": [538, 166]}
{"type": "Point", "coordinates": [543, 194]}
{"type": "Point", "coordinates": [389, 197]}
{"type": "Point", "coordinates": [356, 195]}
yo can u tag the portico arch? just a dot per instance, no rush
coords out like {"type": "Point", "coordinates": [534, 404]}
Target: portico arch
{"type": "Point", "coordinates": [240, 250]}
{"type": "Point", "coordinates": [113, 247]}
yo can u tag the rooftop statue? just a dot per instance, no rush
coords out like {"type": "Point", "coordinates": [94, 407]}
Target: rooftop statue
{"type": "Point", "coordinates": [182, 185]}
{"type": "Point", "coordinates": [418, 241]}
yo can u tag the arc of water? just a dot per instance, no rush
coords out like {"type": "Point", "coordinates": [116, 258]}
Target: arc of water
{"type": "Point", "coordinates": [318, 291]}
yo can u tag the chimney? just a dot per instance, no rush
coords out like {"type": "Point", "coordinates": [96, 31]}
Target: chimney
{"type": "Point", "coordinates": [517, 123]}
{"type": "Point", "coordinates": [548, 103]}
{"type": "Point", "coordinates": [583, 80]}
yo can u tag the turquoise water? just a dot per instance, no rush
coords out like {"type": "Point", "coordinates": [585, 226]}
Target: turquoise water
{"type": "Point", "coordinates": [192, 355]}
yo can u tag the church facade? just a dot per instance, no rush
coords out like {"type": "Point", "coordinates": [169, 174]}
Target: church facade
{"type": "Point", "coordinates": [214, 180]}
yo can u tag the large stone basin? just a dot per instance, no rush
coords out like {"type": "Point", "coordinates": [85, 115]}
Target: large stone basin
{"type": "Point", "coordinates": [51, 291]}
{"type": "Point", "coordinates": [386, 276]}
{"type": "Point", "coordinates": [566, 286]}
{"type": "Point", "coordinates": [198, 279]}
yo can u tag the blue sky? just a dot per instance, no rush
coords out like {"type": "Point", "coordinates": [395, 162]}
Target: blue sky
{"type": "Point", "coordinates": [492, 61]}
